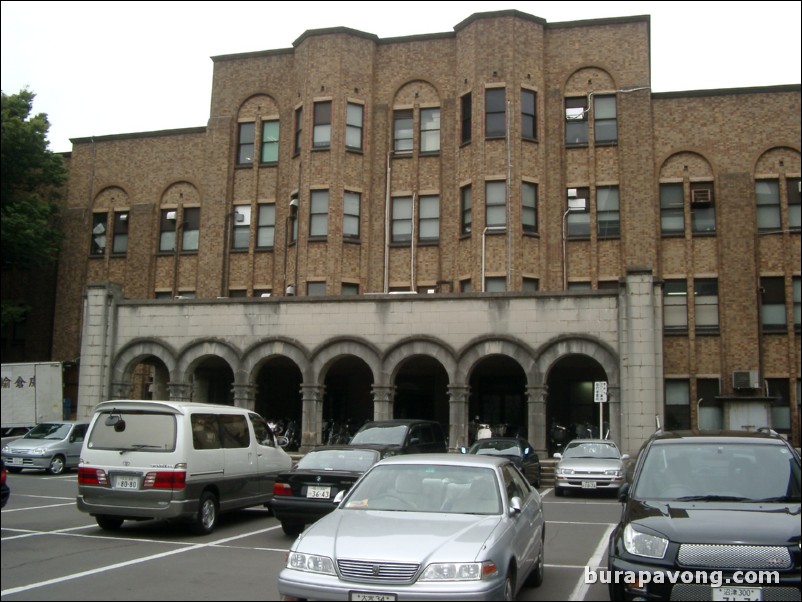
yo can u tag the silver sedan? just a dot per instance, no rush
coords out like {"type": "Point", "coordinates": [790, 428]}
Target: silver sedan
{"type": "Point", "coordinates": [424, 527]}
{"type": "Point", "coordinates": [589, 464]}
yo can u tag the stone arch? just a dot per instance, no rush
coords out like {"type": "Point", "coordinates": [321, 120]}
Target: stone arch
{"type": "Point", "coordinates": [257, 105]}
{"type": "Point", "coordinates": [255, 356]}
{"type": "Point", "coordinates": [599, 78]}
{"type": "Point", "coordinates": [331, 350]}
{"type": "Point", "coordinates": [179, 193]}
{"type": "Point", "coordinates": [686, 164]}
{"type": "Point", "coordinates": [487, 346]}
{"type": "Point", "coordinates": [111, 197]}
{"type": "Point", "coordinates": [428, 346]}
{"type": "Point", "coordinates": [199, 350]}
{"type": "Point", "coordinates": [777, 160]}
{"type": "Point", "coordinates": [417, 91]}
{"type": "Point", "coordinates": [588, 346]}
{"type": "Point", "coordinates": [127, 358]}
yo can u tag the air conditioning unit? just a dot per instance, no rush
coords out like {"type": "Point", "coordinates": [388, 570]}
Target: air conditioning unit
{"type": "Point", "coordinates": [745, 379]}
{"type": "Point", "coordinates": [239, 217]}
{"type": "Point", "coordinates": [701, 196]}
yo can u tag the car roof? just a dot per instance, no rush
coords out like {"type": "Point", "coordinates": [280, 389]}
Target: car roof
{"type": "Point", "coordinates": [398, 421]}
{"type": "Point", "coordinates": [604, 441]}
{"type": "Point", "coordinates": [680, 437]}
{"type": "Point", "coordinates": [63, 422]}
{"type": "Point", "coordinates": [165, 405]}
{"type": "Point", "coordinates": [448, 459]}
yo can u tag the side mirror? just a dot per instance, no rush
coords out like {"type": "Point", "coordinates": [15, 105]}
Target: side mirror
{"type": "Point", "coordinates": [557, 456]}
{"type": "Point", "coordinates": [339, 497]}
{"type": "Point", "coordinates": [625, 457]}
{"type": "Point", "coordinates": [515, 505]}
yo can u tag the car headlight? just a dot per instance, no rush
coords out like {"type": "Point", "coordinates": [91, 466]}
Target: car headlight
{"type": "Point", "coordinates": [613, 472]}
{"type": "Point", "coordinates": [565, 471]}
{"type": "Point", "coordinates": [459, 571]}
{"type": "Point", "coordinates": [39, 451]}
{"type": "Point", "coordinates": [6, 449]}
{"type": "Point", "coordinates": [643, 544]}
{"type": "Point", "coordinates": [310, 563]}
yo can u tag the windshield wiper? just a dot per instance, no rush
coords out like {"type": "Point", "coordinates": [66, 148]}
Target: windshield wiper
{"type": "Point", "coordinates": [139, 446]}
{"type": "Point", "coordinates": [713, 498]}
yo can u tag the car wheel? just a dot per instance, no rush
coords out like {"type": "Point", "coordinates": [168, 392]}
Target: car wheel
{"type": "Point", "coordinates": [509, 586]}
{"type": "Point", "coordinates": [559, 492]}
{"type": "Point", "coordinates": [57, 465]}
{"type": "Point", "coordinates": [14, 470]}
{"type": "Point", "coordinates": [109, 523]}
{"type": "Point", "coordinates": [292, 528]}
{"type": "Point", "coordinates": [206, 520]}
{"type": "Point", "coordinates": [535, 578]}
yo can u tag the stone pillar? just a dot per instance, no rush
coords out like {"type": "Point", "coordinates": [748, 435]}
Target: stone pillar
{"type": "Point", "coordinates": [458, 416]}
{"type": "Point", "coordinates": [614, 410]}
{"type": "Point", "coordinates": [383, 397]}
{"type": "Point", "coordinates": [311, 416]}
{"type": "Point", "coordinates": [244, 396]}
{"type": "Point", "coordinates": [536, 413]}
{"type": "Point", "coordinates": [122, 390]}
{"type": "Point", "coordinates": [180, 391]}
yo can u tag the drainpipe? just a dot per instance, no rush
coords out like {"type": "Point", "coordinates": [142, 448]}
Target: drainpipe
{"type": "Point", "coordinates": [387, 226]}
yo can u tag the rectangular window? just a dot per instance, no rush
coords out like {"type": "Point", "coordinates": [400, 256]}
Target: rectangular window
{"type": "Point", "coordinates": [495, 284]}
{"type": "Point", "coordinates": [605, 121]}
{"type": "Point", "coordinates": [119, 245]}
{"type": "Point", "coordinates": [528, 122]}
{"type": "Point", "coordinates": [531, 285]}
{"type": "Point", "coordinates": [576, 121]}
{"type": "Point", "coordinates": [710, 410]}
{"type": "Point", "coordinates": [429, 219]}
{"type": "Point", "coordinates": [353, 126]}
{"type": "Point", "coordinates": [465, 118]}
{"type": "Point", "coordinates": [495, 113]}
{"type": "Point", "coordinates": [99, 233]}
{"type": "Point", "coordinates": [495, 204]}
{"type": "Point", "coordinates": [794, 202]}
{"type": "Point", "coordinates": [767, 193]}
{"type": "Point", "coordinates": [241, 227]}
{"type": "Point", "coordinates": [315, 289]}
{"type": "Point", "coordinates": [349, 289]}
{"type": "Point", "coordinates": [247, 131]}
{"type": "Point", "coordinates": [678, 405]}
{"type": "Point", "coordinates": [319, 213]}
{"type": "Point", "coordinates": [298, 129]}
{"type": "Point", "coordinates": [779, 391]}
{"type": "Point", "coordinates": [608, 215]}
{"type": "Point", "coordinates": [167, 225]}
{"type": "Point", "coordinates": [705, 301]}
{"type": "Point", "coordinates": [672, 209]}
{"type": "Point", "coordinates": [772, 310]}
{"type": "Point", "coordinates": [465, 210]}
{"type": "Point", "coordinates": [797, 301]}
{"type": "Point", "coordinates": [529, 207]}
{"type": "Point", "coordinates": [321, 135]}
{"type": "Point", "coordinates": [402, 219]}
{"type": "Point", "coordinates": [190, 234]}
{"type": "Point", "coordinates": [402, 131]}
{"type": "Point", "coordinates": [270, 138]}
{"type": "Point", "coordinates": [703, 210]}
{"type": "Point", "coordinates": [351, 203]}
{"type": "Point", "coordinates": [266, 229]}
{"type": "Point", "coordinates": [577, 222]}
{"type": "Point", "coordinates": [430, 130]}
{"type": "Point", "coordinates": [675, 305]}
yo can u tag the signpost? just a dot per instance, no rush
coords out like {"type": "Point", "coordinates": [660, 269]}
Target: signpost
{"type": "Point", "coordinates": [600, 397]}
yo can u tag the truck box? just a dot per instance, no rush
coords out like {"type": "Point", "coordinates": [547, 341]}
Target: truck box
{"type": "Point", "coordinates": [32, 393]}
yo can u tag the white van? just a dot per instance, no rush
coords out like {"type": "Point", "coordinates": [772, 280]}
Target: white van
{"type": "Point", "coordinates": [175, 460]}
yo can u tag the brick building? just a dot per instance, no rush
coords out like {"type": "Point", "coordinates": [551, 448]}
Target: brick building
{"type": "Point", "coordinates": [483, 222]}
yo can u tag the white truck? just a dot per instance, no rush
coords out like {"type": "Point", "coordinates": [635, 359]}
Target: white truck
{"type": "Point", "coordinates": [32, 393]}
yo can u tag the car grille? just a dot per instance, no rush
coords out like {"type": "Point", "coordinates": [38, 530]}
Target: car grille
{"type": "Point", "coordinates": [377, 572]}
{"type": "Point", "coordinates": [734, 557]}
{"type": "Point", "coordinates": [688, 591]}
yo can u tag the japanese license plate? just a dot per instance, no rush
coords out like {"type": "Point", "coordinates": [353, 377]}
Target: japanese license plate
{"type": "Point", "coordinates": [315, 491]}
{"type": "Point", "coordinates": [370, 597]}
{"type": "Point", "coordinates": [737, 594]}
{"type": "Point", "coordinates": [126, 483]}
{"type": "Point", "coordinates": [588, 484]}
{"type": "Point", "coordinates": [16, 461]}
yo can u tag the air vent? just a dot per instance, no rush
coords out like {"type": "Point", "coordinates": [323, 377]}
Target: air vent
{"type": "Point", "coordinates": [745, 379]}
{"type": "Point", "coordinates": [701, 196]}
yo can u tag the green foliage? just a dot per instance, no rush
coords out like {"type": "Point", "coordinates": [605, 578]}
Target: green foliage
{"type": "Point", "coordinates": [32, 179]}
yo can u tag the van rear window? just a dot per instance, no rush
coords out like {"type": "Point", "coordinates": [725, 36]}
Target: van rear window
{"type": "Point", "coordinates": [132, 431]}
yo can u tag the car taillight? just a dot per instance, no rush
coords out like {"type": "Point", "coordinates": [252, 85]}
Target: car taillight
{"type": "Point", "coordinates": [92, 476]}
{"type": "Point", "coordinates": [282, 489]}
{"type": "Point", "coordinates": [165, 480]}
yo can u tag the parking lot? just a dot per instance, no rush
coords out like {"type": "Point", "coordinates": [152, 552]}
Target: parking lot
{"type": "Point", "coordinates": [51, 551]}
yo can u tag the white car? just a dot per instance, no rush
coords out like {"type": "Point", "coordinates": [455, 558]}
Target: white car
{"type": "Point", "coordinates": [589, 464]}
{"type": "Point", "coordinates": [50, 446]}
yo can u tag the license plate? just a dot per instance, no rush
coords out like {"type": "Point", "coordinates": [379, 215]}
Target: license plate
{"type": "Point", "coordinates": [370, 597]}
{"type": "Point", "coordinates": [737, 594]}
{"type": "Point", "coordinates": [16, 461]}
{"type": "Point", "coordinates": [588, 484]}
{"type": "Point", "coordinates": [126, 483]}
{"type": "Point", "coordinates": [318, 492]}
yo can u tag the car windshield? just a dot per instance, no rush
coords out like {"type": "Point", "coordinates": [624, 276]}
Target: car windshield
{"type": "Point", "coordinates": [133, 430]}
{"type": "Point", "coordinates": [496, 448]}
{"type": "Point", "coordinates": [49, 430]}
{"type": "Point", "coordinates": [357, 460]}
{"type": "Point", "coordinates": [391, 434]}
{"type": "Point", "coordinates": [726, 471]}
{"type": "Point", "coordinates": [597, 450]}
{"type": "Point", "coordinates": [427, 488]}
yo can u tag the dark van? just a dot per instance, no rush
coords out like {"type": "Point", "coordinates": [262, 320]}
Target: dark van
{"type": "Point", "coordinates": [402, 436]}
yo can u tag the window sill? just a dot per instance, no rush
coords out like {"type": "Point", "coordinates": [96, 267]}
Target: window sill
{"type": "Point", "coordinates": [320, 149]}
{"type": "Point", "coordinates": [711, 331]}
{"type": "Point", "coordinates": [323, 238]}
{"type": "Point", "coordinates": [429, 153]}
{"type": "Point", "coordinates": [269, 164]}
{"type": "Point", "coordinates": [352, 240]}
{"type": "Point", "coordinates": [576, 145]}
{"type": "Point", "coordinates": [606, 143]}
{"type": "Point", "coordinates": [706, 234]}
{"type": "Point", "coordinates": [675, 332]}
{"type": "Point", "coordinates": [354, 150]}
{"type": "Point", "coordinates": [244, 165]}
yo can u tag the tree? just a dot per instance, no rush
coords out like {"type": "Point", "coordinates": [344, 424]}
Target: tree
{"type": "Point", "coordinates": [32, 178]}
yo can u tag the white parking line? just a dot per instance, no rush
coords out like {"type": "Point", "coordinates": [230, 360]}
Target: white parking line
{"type": "Point", "coordinates": [581, 588]}
{"type": "Point", "coordinates": [38, 507]}
{"type": "Point", "coordinates": [29, 533]}
{"type": "Point", "coordinates": [25, 588]}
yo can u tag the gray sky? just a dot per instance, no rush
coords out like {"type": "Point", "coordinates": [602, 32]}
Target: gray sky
{"type": "Point", "coordinates": [100, 68]}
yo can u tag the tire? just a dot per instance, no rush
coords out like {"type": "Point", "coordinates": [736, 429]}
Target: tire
{"type": "Point", "coordinates": [14, 470]}
{"type": "Point", "coordinates": [559, 492]}
{"type": "Point", "coordinates": [535, 578]}
{"type": "Point", "coordinates": [109, 523]}
{"type": "Point", "coordinates": [208, 511]}
{"type": "Point", "coordinates": [57, 465]}
{"type": "Point", "coordinates": [292, 529]}
{"type": "Point", "coordinates": [509, 586]}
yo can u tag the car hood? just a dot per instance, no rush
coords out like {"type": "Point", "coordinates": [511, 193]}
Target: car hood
{"type": "Point", "coordinates": [594, 464]}
{"type": "Point", "coordinates": [398, 536]}
{"type": "Point", "coordinates": [33, 443]}
{"type": "Point", "coordinates": [713, 522]}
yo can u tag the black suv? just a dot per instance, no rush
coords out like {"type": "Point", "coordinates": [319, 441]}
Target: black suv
{"type": "Point", "coordinates": [703, 510]}
{"type": "Point", "coordinates": [394, 437]}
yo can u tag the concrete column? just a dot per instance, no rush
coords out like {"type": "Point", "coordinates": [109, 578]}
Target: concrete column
{"type": "Point", "coordinates": [244, 396]}
{"type": "Point", "coordinates": [383, 398]}
{"type": "Point", "coordinates": [536, 415]}
{"type": "Point", "coordinates": [311, 416]}
{"type": "Point", "coordinates": [180, 391]}
{"type": "Point", "coordinates": [122, 390]}
{"type": "Point", "coordinates": [614, 409]}
{"type": "Point", "coordinates": [458, 415]}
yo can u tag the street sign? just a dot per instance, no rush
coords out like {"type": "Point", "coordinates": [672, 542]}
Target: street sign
{"type": "Point", "coordinates": [599, 391]}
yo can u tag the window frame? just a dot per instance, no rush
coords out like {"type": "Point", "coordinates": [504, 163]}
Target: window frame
{"type": "Point", "coordinates": [670, 209]}
{"type": "Point", "coordinates": [570, 106]}
{"type": "Point", "coordinates": [466, 209]}
{"type": "Point", "coordinates": [528, 119]}
{"type": "Point", "coordinates": [270, 145]}
{"type": "Point", "coordinates": [319, 201]}
{"type": "Point", "coordinates": [529, 223]}
{"type": "Point", "coordinates": [466, 118]}
{"type": "Point", "coordinates": [353, 129]}
{"type": "Point", "coordinates": [602, 123]}
{"type": "Point", "coordinates": [241, 230]}
{"type": "Point", "coordinates": [768, 204]}
{"type": "Point", "coordinates": [491, 102]}
{"type": "Point", "coordinates": [350, 217]}
{"type": "Point", "coordinates": [321, 124]}
{"type": "Point", "coordinates": [246, 143]}
{"type": "Point", "coordinates": [706, 302]}
{"type": "Point", "coordinates": [403, 144]}
{"type": "Point", "coordinates": [703, 212]}
{"type": "Point", "coordinates": [428, 217]}
{"type": "Point", "coordinates": [427, 131]}
{"type": "Point", "coordinates": [100, 231]}
{"type": "Point", "coordinates": [298, 139]}
{"type": "Point", "coordinates": [266, 225]}
{"type": "Point", "coordinates": [608, 227]}
{"type": "Point", "coordinates": [119, 241]}
{"type": "Point", "coordinates": [577, 223]}
{"type": "Point", "coordinates": [773, 304]}
{"type": "Point", "coordinates": [492, 203]}
{"type": "Point", "coordinates": [675, 320]}
{"type": "Point", "coordinates": [400, 206]}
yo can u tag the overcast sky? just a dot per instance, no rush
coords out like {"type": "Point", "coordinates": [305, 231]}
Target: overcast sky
{"type": "Point", "coordinates": [100, 68]}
